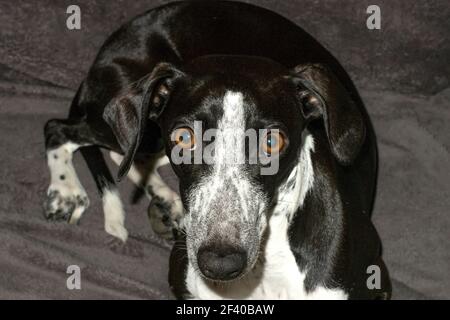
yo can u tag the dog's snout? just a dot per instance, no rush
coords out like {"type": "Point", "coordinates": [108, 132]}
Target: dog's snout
{"type": "Point", "coordinates": [221, 263]}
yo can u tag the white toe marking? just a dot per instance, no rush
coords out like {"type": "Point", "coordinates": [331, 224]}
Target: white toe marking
{"type": "Point", "coordinates": [114, 215]}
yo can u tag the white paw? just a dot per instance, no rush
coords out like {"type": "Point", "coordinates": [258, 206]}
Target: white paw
{"type": "Point", "coordinates": [114, 215]}
{"type": "Point", "coordinates": [165, 215]}
{"type": "Point", "coordinates": [65, 202]}
{"type": "Point", "coordinates": [116, 229]}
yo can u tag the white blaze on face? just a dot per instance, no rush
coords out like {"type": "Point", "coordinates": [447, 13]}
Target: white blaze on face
{"type": "Point", "coordinates": [231, 130]}
{"type": "Point", "coordinates": [227, 174]}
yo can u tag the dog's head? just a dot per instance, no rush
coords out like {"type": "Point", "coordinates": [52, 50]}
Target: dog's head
{"type": "Point", "coordinates": [232, 127]}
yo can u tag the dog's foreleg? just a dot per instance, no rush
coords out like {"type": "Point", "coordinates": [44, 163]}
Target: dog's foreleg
{"type": "Point", "coordinates": [114, 214]}
{"type": "Point", "coordinates": [112, 204]}
{"type": "Point", "coordinates": [66, 197]}
{"type": "Point", "coordinates": [165, 209]}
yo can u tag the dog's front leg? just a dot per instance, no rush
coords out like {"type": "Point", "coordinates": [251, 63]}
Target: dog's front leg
{"type": "Point", "coordinates": [165, 210]}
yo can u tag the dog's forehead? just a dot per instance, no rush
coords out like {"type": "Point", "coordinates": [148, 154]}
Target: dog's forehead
{"type": "Point", "coordinates": [266, 94]}
{"type": "Point", "coordinates": [260, 67]}
{"type": "Point", "coordinates": [211, 101]}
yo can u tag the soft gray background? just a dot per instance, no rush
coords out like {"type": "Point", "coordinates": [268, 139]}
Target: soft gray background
{"type": "Point", "coordinates": [402, 71]}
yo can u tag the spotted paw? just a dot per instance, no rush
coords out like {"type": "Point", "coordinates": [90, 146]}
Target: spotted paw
{"type": "Point", "coordinates": [65, 206]}
{"type": "Point", "coordinates": [162, 217]}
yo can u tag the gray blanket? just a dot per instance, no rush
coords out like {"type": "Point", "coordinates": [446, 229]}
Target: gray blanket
{"type": "Point", "coordinates": [40, 68]}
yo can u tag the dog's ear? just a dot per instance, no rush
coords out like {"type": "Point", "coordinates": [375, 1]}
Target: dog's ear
{"type": "Point", "coordinates": [127, 114]}
{"type": "Point", "coordinates": [322, 95]}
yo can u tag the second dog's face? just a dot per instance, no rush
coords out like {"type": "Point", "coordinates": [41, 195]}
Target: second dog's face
{"type": "Point", "coordinates": [232, 129]}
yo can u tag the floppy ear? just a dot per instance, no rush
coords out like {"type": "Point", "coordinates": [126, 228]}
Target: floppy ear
{"type": "Point", "coordinates": [323, 95]}
{"type": "Point", "coordinates": [127, 114]}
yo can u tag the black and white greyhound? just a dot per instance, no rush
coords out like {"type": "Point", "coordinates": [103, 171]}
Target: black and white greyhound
{"type": "Point", "coordinates": [303, 232]}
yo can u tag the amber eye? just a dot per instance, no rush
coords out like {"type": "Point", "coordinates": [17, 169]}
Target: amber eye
{"type": "Point", "coordinates": [273, 142]}
{"type": "Point", "coordinates": [184, 137]}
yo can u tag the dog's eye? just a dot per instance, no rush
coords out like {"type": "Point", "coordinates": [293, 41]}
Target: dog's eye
{"type": "Point", "coordinates": [274, 142]}
{"type": "Point", "coordinates": [184, 137]}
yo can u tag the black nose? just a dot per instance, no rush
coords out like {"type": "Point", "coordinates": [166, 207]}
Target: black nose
{"type": "Point", "coordinates": [221, 262]}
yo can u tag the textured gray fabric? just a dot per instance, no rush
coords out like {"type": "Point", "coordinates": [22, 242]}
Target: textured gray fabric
{"type": "Point", "coordinates": [41, 64]}
{"type": "Point", "coordinates": [405, 55]}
